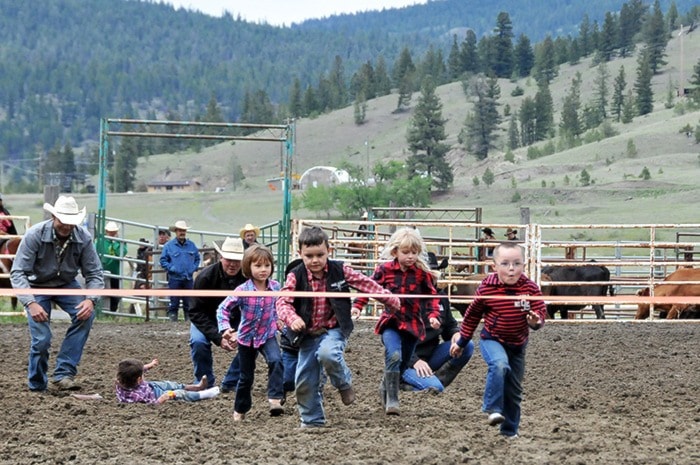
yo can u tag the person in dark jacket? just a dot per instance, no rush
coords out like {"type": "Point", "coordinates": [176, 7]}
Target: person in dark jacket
{"type": "Point", "coordinates": [431, 366]}
{"type": "Point", "coordinates": [225, 274]}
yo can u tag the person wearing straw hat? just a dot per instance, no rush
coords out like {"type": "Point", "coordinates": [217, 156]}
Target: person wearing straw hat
{"type": "Point", "coordinates": [109, 249]}
{"type": "Point", "coordinates": [51, 255]}
{"type": "Point", "coordinates": [249, 234]}
{"type": "Point", "coordinates": [180, 259]}
{"type": "Point", "coordinates": [226, 275]}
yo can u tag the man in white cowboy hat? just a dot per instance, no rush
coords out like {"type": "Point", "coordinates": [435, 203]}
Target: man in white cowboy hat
{"type": "Point", "coordinates": [249, 234]}
{"type": "Point", "coordinates": [50, 256]}
{"type": "Point", "coordinates": [180, 259]}
{"type": "Point", "coordinates": [226, 274]}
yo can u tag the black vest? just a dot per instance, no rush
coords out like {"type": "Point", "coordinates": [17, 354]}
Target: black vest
{"type": "Point", "coordinates": [335, 282]}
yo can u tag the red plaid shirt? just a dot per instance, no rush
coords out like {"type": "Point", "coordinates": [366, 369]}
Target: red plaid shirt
{"type": "Point", "coordinates": [412, 281]}
{"type": "Point", "coordinates": [323, 316]}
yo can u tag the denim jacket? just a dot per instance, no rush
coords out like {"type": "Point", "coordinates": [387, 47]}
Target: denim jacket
{"type": "Point", "coordinates": [180, 260]}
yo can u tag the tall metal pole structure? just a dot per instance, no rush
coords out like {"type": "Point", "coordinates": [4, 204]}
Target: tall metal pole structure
{"type": "Point", "coordinates": [285, 246]}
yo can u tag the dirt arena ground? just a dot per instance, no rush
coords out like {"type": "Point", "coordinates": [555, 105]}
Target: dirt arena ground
{"type": "Point", "coordinates": [617, 392]}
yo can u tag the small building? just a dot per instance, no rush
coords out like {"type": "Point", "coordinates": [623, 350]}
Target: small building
{"type": "Point", "coordinates": [323, 176]}
{"type": "Point", "coordinates": [174, 186]}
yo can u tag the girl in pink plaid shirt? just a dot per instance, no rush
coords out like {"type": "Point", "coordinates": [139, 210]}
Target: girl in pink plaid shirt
{"type": "Point", "coordinates": [256, 332]}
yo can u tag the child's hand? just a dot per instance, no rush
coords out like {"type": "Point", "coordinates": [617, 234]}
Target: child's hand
{"type": "Point", "coordinates": [355, 312]}
{"type": "Point", "coordinates": [298, 325]}
{"type": "Point", "coordinates": [435, 323]}
{"type": "Point", "coordinates": [533, 319]}
{"type": "Point", "coordinates": [455, 350]}
{"type": "Point", "coordinates": [153, 363]}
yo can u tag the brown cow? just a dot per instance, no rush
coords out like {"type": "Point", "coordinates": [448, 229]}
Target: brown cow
{"type": "Point", "coordinates": [671, 290]}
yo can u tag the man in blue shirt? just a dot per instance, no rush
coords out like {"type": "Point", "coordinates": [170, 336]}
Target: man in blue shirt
{"type": "Point", "coordinates": [180, 259]}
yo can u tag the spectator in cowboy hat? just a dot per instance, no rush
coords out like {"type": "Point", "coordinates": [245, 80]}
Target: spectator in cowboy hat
{"type": "Point", "coordinates": [108, 247]}
{"type": "Point", "coordinates": [488, 236]}
{"type": "Point", "coordinates": [224, 275]}
{"type": "Point", "coordinates": [180, 259]}
{"type": "Point", "coordinates": [511, 234]}
{"type": "Point", "coordinates": [51, 255]}
{"type": "Point", "coordinates": [249, 234]}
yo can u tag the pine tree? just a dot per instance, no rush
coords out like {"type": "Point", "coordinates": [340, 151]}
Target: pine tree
{"type": "Point", "coordinates": [483, 122]}
{"type": "Point", "coordinates": [503, 46]}
{"type": "Point", "coordinates": [608, 37]}
{"type": "Point", "coordinates": [695, 83]}
{"type": "Point", "coordinates": [426, 136]}
{"type": "Point", "coordinates": [584, 36]}
{"type": "Point", "coordinates": [601, 91]}
{"type": "Point", "coordinates": [544, 111]}
{"type": "Point", "coordinates": [524, 56]}
{"type": "Point", "coordinates": [656, 38]}
{"type": "Point", "coordinates": [403, 69]}
{"type": "Point", "coordinates": [672, 17]}
{"type": "Point", "coordinates": [629, 108]}
{"type": "Point", "coordinates": [642, 86]}
{"type": "Point", "coordinates": [513, 133]}
{"type": "Point", "coordinates": [545, 64]}
{"type": "Point", "coordinates": [405, 93]}
{"type": "Point", "coordinates": [570, 125]}
{"type": "Point", "coordinates": [527, 116]}
{"type": "Point", "coordinates": [382, 79]}
{"type": "Point", "coordinates": [468, 53]}
{"type": "Point", "coordinates": [618, 96]}
{"type": "Point", "coordinates": [295, 107]}
{"type": "Point", "coordinates": [454, 60]}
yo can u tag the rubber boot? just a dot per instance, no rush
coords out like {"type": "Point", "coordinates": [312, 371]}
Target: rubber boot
{"type": "Point", "coordinates": [392, 392]}
{"type": "Point", "coordinates": [382, 392]}
{"type": "Point", "coordinates": [447, 373]}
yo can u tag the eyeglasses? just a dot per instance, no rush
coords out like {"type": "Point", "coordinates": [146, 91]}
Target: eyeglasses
{"type": "Point", "coordinates": [510, 264]}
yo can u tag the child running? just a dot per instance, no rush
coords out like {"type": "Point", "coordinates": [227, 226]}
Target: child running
{"type": "Point", "coordinates": [507, 325]}
{"type": "Point", "coordinates": [256, 332]}
{"type": "Point", "coordinates": [320, 326]}
{"type": "Point", "coordinates": [131, 387]}
{"type": "Point", "coordinates": [406, 273]}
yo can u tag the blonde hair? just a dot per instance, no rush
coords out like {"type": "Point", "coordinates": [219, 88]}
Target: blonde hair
{"type": "Point", "coordinates": [407, 238]}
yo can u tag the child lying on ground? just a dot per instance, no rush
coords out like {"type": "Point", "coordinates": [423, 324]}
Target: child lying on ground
{"type": "Point", "coordinates": [131, 387]}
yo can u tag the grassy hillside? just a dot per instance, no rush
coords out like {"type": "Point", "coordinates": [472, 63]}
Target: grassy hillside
{"type": "Point", "coordinates": [617, 195]}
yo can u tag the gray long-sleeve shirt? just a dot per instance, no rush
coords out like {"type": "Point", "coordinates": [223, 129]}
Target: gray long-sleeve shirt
{"type": "Point", "coordinates": [36, 264]}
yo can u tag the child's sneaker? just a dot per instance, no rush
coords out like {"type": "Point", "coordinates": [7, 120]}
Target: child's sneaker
{"type": "Point", "coordinates": [495, 419]}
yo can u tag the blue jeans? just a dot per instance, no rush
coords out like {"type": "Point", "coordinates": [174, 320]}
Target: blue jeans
{"type": "Point", "coordinates": [317, 353]}
{"type": "Point", "coordinates": [438, 358]}
{"type": "Point", "coordinates": [174, 305]}
{"type": "Point", "coordinates": [289, 363]}
{"type": "Point", "coordinates": [398, 349]}
{"type": "Point", "coordinates": [271, 352]}
{"type": "Point", "coordinates": [161, 387]}
{"type": "Point", "coordinates": [71, 350]}
{"type": "Point", "coordinates": [203, 361]}
{"type": "Point", "coordinates": [503, 390]}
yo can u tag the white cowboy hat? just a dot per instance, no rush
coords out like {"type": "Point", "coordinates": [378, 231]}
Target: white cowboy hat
{"type": "Point", "coordinates": [180, 224]}
{"type": "Point", "coordinates": [249, 227]}
{"type": "Point", "coordinates": [111, 226]}
{"type": "Point", "coordinates": [66, 210]}
{"type": "Point", "coordinates": [230, 249]}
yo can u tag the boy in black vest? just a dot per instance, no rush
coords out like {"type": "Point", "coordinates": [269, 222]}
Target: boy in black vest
{"type": "Point", "coordinates": [321, 325]}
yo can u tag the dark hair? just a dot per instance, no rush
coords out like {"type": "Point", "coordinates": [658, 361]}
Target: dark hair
{"type": "Point", "coordinates": [128, 373]}
{"type": "Point", "coordinates": [313, 236]}
{"type": "Point", "coordinates": [253, 254]}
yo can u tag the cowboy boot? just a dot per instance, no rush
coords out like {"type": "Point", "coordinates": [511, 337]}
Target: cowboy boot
{"type": "Point", "coordinates": [447, 373]}
{"type": "Point", "coordinates": [392, 392]}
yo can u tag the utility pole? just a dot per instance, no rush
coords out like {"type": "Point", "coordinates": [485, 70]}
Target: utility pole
{"type": "Point", "coordinates": [368, 172]}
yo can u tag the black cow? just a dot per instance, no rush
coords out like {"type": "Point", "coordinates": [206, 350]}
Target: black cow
{"type": "Point", "coordinates": [577, 273]}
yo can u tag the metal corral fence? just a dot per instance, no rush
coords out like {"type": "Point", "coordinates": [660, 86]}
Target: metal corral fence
{"type": "Point", "coordinates": [638, 256]}
{"type": "Point", "coordinates": [140, 266]}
